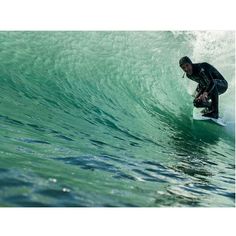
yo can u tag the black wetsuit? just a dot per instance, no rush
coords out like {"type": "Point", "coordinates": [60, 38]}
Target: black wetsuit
{"type": "Point", "coordinates": [209, 80]}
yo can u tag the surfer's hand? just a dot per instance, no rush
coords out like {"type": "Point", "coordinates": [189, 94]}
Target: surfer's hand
{"type": "Point", "coordinates": [198, 98]}
{"type": "Point", "coordinates": [204, 96]}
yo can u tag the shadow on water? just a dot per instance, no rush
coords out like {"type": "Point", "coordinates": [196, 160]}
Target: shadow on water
{"type": "Point", "coordinates": [192, 142]}
{"type": "Point", "coordinates": [192, 147]}
{"type": "Point", "coordinates": [188, 135]}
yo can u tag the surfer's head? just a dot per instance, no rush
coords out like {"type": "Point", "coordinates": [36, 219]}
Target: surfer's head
{"type": "Point", "coordinates": [186, 64]}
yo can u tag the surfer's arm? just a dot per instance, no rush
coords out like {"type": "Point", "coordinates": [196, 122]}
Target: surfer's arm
{"type": "Point", "coordinates": [213, 74]}
{"type": "Point", "coordinates": [199, 94]}
{"type": "Point", "coordinates": [208, 80]}
{"type": "Point", "coordinates": [199, 90]}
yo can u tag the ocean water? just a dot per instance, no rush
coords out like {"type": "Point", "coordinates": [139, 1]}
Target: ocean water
{"type": "Point", "coordinates": [105, 119]}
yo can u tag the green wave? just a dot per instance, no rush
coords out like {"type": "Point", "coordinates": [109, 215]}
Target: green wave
{"type": "Point", "coordinates": [108, 116]}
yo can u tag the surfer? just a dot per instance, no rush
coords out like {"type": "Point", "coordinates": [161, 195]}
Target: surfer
{"type": "Point", "coordinates": [210, 85]}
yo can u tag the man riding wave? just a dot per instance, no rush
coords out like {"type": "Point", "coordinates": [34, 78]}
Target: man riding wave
{"type": "Point", "coordinates": [211, 84]}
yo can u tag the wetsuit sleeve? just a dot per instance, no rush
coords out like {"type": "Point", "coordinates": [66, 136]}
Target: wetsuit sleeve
{"type": "Point", "coordinates": [215, 74]}
{"type": "Point", "coordinates": [208, 81]}
{"type": "Point", "coordinates": [209, 74]}
{"type": "Point", "coordinates": [199, 90]}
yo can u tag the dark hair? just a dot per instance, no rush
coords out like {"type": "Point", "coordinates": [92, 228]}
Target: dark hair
{"type": "Point", "coordinates": [184, 60]}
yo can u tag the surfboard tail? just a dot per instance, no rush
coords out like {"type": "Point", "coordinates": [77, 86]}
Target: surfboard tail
{"type": "Point", "coordinates": [197, 115]}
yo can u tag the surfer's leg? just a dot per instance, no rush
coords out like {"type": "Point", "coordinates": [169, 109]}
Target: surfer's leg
{"type": "Point", "coordinates": [215, 100]}
{"type": "Point", "coordinates": [222, 86]}
{"type": "Point", "coordinates": [213, 109]}
{"type": "Point", "coordinates": [219, 88]}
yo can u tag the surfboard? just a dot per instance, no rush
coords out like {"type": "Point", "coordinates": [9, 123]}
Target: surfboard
{"type": "Point", "coordinates": [197, 115]}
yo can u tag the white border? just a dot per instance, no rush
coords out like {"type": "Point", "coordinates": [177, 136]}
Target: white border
{"type": "Point", "coordinates": [117, 15]}
{"type": "Point", "coordinates": [117, 222]}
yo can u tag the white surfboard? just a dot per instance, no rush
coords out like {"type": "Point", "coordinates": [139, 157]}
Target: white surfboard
{"type": "Point", "coordinates": [197, 115]}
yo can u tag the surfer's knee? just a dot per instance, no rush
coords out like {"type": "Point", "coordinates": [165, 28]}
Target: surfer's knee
{"type": "Point", "coordinates": [221, 86]}
{"type": "Point", "coordinates": [224, 87]}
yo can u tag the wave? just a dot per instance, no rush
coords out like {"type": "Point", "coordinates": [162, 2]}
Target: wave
{"type": "Point", "coordinates": [80, 97]}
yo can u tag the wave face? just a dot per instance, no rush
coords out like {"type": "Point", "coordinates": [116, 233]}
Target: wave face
{"type": "Point", "coordinates": [105, 119]}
